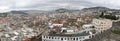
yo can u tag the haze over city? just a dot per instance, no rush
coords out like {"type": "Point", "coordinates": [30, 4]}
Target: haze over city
{"type": "Point", "coordinates": [7, 5]}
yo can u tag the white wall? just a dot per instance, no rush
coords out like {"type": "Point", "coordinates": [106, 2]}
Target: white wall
{"type": "Point", "coordinates": [58, 38]}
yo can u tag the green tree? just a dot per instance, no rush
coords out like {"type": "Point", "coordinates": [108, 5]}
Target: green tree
{"type": "Point", "coordinates": [102, 14]}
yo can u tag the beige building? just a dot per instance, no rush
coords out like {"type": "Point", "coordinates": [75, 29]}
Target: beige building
{"type": "Point", "coordinates": [102, 24]}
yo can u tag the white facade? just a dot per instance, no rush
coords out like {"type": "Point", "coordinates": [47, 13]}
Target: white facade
{"type": "Point", "coordinates": [87, 26]}
{"type": "Point", "coordinates": [60, 38]}
{"type": "Point", "coordinates": [102, 24]}
{"type": "Point", "coordinates": [57, 25]}
{"type": "Point", "coordinates": [117, 16]}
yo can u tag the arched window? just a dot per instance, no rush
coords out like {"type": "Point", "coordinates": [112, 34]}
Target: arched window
{"type": "Point", "coordinates": [76, 38]}
{"type": "Point", "coordinates": [49, 37]}
{"type": "Point", "coordinates": [65, 38]}
{"type": "Point", "coordinates": [73, 38]}
{"type": "Point", "coordinates": [52, 37]}
{"type": "Point", "coordinates": [68, 38]}
{"type": "Point", "coordinates": [55, 37]}
{"type": "Point", "coordinates": [61, 38]}
{"type": "Point", "coordinates": [89, 36]}
{"type": "Point", "coordinates": [83, 37]}
{"type": "Point", "coordinates": [58, 38]}
{"type": "Point", "coordinates": [44, 36]}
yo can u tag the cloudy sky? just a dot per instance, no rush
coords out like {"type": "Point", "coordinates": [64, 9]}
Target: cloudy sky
{"type": "Point", "coordinates": [7, 5]}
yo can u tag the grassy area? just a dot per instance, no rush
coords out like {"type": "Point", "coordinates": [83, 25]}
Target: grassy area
{"type": "Point", "coordinates": [116, 32]}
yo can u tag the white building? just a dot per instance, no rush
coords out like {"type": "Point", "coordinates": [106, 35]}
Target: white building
{"type": "Point", "coordinates": [57, 25]}
{"type": "Point", "coordinates": [102, 24]}
{"type": "Point", "coordinates": [65, 38]}
{"type": "Point", "coordinates": [87, 26]}
{"type": "Point", "coordinates": [68, 35]}
{"type": "Point", "coordinates": [90, 30]}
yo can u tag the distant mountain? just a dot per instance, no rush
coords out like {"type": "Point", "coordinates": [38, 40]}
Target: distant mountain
{"type": "Point", "coordinates": [34, 11]}
{"type": "Point", "coordinates": [17, 12]}
{"type": "Point", "coordinates": [100, 9]}
{"type": "Point", "coordinates": [96, 8]}
{"type": "Point", "coordinates": [62, 10]}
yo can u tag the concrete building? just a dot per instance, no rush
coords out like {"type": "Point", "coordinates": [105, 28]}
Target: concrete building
{"type": "Point", "coordinates": [102, 24]}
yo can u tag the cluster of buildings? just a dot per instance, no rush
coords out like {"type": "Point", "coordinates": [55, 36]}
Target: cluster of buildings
{"type": "Point", "coordinates": [19, 27]}
{"type": "Point", "coordinates": [8, 34]}
{"type": "Point", "coordinates": [67, 26]}
{"type": "Point", "coordinates": [58, 32]}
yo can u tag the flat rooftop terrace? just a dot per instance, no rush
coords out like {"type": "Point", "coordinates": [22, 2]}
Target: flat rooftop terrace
{"type": "Point", "coordinates": [70, 35]}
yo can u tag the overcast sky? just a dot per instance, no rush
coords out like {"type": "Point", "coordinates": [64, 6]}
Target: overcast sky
{"type": "Point", "coordinates": [7, 5]}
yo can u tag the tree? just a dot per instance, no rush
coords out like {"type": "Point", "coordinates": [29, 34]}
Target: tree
{"type": "Point", "coordinates": [102, 14]}
{"type": "Point", "coordinates": [112, 17]}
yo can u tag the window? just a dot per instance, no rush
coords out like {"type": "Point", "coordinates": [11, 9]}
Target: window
{"type": "Point", "coordinates": [55, 37]}
{"type": "Point", "coordinates": [73, 38]}
{"type": "Point", "coordinates": [76, 38]}
{"type": "Point", "coordinates": [68, 38]}
{"type": "Point", "coordinates": [89, 36]}
{"type": "Point", "coordinates": [80, 38]}
{"type": "Point", "coordinates": [65, 38]}
{"type": "Point", "coordinates": [49, 37]}
{"type": "Point", "coordinates": [58, 37]}
{"type": "Point", "coordinates": [101, 28]}
{"type": "Point", "coordinates": [61, 38]}
{"type": "Point", "coordinates": [102, 23]}
{"type": "Point", "coordinates": [83, 37]}
{"type": "Point", "coordinates": [52, 37]}
{"type": "Point", "coordinates": [44, 36]}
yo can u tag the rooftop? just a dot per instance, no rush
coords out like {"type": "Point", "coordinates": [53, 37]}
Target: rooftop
{"type": "Point", "coordinates": [70, 35]}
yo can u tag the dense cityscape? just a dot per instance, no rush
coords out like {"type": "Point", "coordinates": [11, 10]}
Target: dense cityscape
{"type": "Point", "coordinates": [88, 24]}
